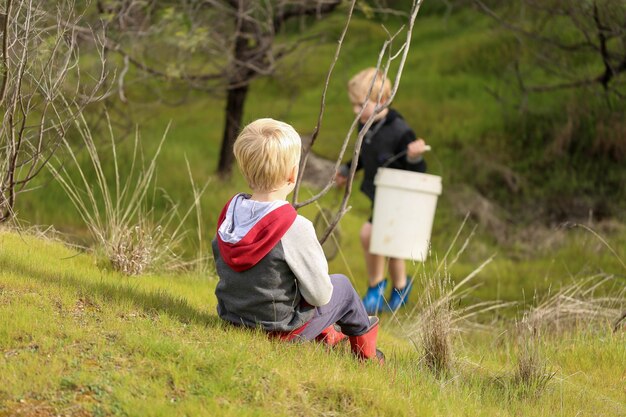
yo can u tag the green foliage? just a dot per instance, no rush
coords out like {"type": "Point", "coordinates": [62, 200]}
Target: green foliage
{"type": "Point", "coordinates": [479, 143]}
{"type": "Point", "coordinates": [571, 159]}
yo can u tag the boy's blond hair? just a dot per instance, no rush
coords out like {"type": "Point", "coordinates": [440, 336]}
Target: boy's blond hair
{"type": "Point", "coordinates": [359, 85]}
{"type": "Point", "coordinates": [266, 151]}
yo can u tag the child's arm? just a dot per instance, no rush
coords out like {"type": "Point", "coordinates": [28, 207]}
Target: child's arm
{"type": "Point", "coordinates": [341, 176]}
{"type": "Point", "coordinates": [305, 258]}
{"type": "Point", "coordinates": [415, 148]}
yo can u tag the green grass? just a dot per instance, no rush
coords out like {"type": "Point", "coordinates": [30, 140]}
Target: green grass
{"type": "Point", "coordinates": [82, 341]}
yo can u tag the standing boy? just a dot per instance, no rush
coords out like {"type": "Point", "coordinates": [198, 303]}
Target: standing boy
{"type": "Point", "coordinates": [271, 267]}
{"type": "Point", "coordinates": [389, 142]}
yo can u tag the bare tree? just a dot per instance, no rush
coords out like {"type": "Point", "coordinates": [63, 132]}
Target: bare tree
{"type": "Point", "coordinates": [562, 33]}
{"type": "Point", "coordinates": [253, 55]}
{"type": "Point", "coordinates": [41, 90]}
{"type": "Point", "coordinates": [572, 53]}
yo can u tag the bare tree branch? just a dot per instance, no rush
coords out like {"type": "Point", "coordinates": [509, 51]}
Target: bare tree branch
{"type": "Point", "coordinates": [306, 150]}
{"type": "Point", "coordinates": [236, 44]}
{"type": "Point", "coordinates": [306, 8]}
{"type": "Point", "coordinates": [402, 53]}
{"type": "Point", "coordinates": [42, 84]}
{"type": "Point", "coordinates": [598, 24]}
{"type": "Point", "coordinates": [5, 49]}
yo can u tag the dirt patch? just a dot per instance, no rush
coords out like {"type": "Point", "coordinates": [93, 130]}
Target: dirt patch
{"type": "Point", "coordinates": [318, 170]}
{"type": "Point", "coordinates": [36, 408]}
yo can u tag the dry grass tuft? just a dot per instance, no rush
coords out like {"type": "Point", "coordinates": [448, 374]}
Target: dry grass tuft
{"type": "Point", "coordinates": [439, 313]}
{"type": "Point", "coordinates": [531, 373]}
{"type": "Point", "coordinates": [595, 301]}
{"type": "Point", "coordinates": [436, 338]}
{"type": "Point", "coordinates": [132, 252]}
{"type": "Point", "coordinates": [132, 237]}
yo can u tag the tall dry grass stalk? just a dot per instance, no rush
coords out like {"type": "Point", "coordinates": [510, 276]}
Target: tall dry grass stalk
{"type": "Point", "coordinates": [203, 260]}
{"type": "Point", "coordinates": [436, 337]}
{"type": "Point", "coordinates": [439, 313]}
{"type": "Point", "coordinates": [117, 212]}
{"type": "Point", "coordinates": [595, 302]}
{"type": "Point", "coordinates": [531, 374]}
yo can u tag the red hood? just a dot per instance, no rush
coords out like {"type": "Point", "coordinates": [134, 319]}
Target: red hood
{"type": "Point", "coordinates": [257, 243]}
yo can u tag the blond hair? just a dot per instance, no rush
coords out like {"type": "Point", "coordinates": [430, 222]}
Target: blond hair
{"type": "Point", "coordinates": [266, 151]}
{"type": "Point", "coordinates": [360, 84]}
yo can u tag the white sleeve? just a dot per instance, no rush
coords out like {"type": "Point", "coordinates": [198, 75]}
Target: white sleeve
{"type": "Point", "coordinates": [306, 259]}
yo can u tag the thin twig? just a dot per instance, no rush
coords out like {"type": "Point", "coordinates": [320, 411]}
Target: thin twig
{"type": "Point", "coordinates": [307, 150]}
{"type": "Point", "coordinates": [5, 51]}
{"type": "Point", "coordinates": [379, 108]}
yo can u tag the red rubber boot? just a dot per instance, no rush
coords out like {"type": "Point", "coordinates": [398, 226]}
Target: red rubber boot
{"type": "Point", "coordinates": [330, 336]}
{"type": "Point", "coordinates": [364, 346]}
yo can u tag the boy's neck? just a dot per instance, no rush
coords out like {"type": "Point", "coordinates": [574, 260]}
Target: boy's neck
{"type": "Point", "coordinates": [270, 196]}
{"type": "Point", "coordinates": [378, 117]}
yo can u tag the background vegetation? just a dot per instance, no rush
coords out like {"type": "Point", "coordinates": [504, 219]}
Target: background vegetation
{"type": "Point", "coordinates": [535, 172]}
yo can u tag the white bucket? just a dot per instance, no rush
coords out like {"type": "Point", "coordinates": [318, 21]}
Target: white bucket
{"type": "Point", "coordinates": [404, 211]}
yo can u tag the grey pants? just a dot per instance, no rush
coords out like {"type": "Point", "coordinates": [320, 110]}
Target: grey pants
{"type": "Point", "coordinates": [344, 308]}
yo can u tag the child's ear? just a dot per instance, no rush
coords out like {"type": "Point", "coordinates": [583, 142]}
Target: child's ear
{"type": "Point", "coordinates": [293, 175]}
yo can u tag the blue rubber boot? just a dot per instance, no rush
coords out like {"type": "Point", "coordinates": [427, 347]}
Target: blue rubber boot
{"type": "Point", "coordinates": [400, 297]}
{"type": "Point", "coordinates": [374, 299]}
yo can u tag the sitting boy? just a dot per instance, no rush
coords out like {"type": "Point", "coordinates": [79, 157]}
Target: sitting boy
{"type": "Point", "coordinates": [271, 267]}
{"type": "Point", "coordinates": [390, 142]}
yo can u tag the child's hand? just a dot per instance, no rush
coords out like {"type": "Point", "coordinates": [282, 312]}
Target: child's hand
{"type": "Point", "coordinates": [416, 148]}
{"type": "Point", "coordinates": [340, 180]}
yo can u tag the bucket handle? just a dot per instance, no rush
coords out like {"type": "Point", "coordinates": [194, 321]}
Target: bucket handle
{"type": "Point", "coordinates": [400, 155]}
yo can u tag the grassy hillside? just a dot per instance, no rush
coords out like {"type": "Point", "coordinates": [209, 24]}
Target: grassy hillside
{"type": "Point", "coordinates": [77, 340]}
{"type": "Point", "coordinates": [444, 96]}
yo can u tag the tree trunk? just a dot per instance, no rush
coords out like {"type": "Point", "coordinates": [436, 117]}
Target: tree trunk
{"type": "Point", "coordinates": [252, 46]}
{"type": "Point", "coordinates": [233, 117]}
